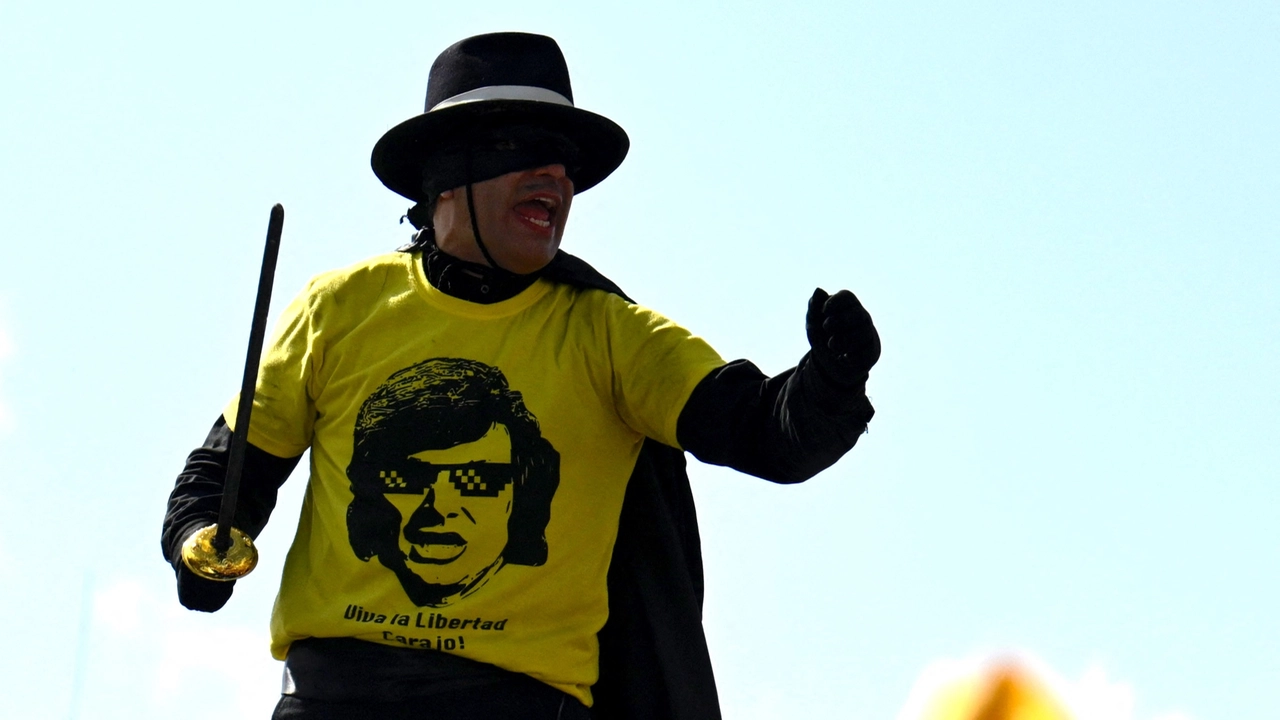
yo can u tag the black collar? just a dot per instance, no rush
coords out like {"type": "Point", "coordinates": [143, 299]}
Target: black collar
{"type": "Point", "coordinates": [468, 281]}
{"type": "Point", "coordinates": [471, 281]}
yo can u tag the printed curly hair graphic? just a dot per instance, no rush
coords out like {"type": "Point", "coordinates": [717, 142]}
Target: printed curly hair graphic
{"type": "Point", "coordinates": [451, 479]}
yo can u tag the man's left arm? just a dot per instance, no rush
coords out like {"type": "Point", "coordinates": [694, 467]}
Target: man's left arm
{"type": "Point", "coordinates": [789, 427]}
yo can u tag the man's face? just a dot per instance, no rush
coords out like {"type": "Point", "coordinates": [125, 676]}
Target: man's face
{"type": "Point", "coordinates": [521, 215]}
{"type": "Point", "coordinates": [455, 531]}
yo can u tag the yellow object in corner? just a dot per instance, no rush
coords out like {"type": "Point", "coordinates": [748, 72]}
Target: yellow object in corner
{"type": "Point", "coordinates": [1005, 692]}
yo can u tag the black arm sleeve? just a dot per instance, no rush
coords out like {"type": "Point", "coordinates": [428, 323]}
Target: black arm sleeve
{"type": "Point", "coordinates": [785, 429]}
{"type": "Point", "coordinates": [198, 492]}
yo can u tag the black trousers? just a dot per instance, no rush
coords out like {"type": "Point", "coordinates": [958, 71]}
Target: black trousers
{"type": "Point", "coordinates": [347, 679]}
{"type": "Point", "coordinates": [544, 703]}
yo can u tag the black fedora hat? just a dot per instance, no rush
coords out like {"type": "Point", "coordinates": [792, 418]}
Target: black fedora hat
{"type": "Point", "coordinates": [482, 85]}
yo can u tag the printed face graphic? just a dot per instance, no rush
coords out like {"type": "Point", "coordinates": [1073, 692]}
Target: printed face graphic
{"type": "Point", "coordinates": [451, 479]}
{"type": "Point", "coordinates": [455, 531]}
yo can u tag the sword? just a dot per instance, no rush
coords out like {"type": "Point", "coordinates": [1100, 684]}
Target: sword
{"type": "Point", "coordinates": [220, 551]}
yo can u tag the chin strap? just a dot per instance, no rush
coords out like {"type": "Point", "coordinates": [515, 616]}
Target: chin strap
{"type": "Point", "coordinates": [475, 227]}
{"type": "Point", "coordinates": [475, 230]}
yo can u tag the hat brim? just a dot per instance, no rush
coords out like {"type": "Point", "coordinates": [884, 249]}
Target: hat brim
{"type": "Point", "coordinates": [401, 154]}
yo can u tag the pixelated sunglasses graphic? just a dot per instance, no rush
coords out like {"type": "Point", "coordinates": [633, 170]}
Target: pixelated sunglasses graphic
{"type": "Point", "coordinates": [472, 479]}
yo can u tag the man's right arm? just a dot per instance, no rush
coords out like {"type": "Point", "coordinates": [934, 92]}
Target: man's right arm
{"type": "Point", "coordinates": [195, 500]}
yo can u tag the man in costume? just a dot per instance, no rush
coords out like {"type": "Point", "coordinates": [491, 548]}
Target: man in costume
{"type": "Point", "coordinates": [502, 428]}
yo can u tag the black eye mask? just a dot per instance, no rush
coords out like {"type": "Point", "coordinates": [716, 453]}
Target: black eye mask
{"type": "Point", "coordinates": [490, 154]}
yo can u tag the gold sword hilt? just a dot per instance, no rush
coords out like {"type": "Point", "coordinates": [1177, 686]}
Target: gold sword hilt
{"type": "Point", "coordinates": [210, 563]}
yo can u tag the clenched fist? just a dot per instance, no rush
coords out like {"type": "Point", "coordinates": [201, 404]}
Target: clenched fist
{"type": "Point", "coordinates": [844, 340]}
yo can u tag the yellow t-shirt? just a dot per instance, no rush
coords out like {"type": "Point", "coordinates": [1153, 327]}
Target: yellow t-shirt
{"type": "Point", "coordinates": [468, 462]}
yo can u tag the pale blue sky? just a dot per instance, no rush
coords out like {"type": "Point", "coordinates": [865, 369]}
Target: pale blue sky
{"type": "Point", "coordinates": [1062, 215]}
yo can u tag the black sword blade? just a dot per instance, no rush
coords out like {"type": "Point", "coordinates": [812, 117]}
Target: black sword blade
{"type": "Point", "coordinates": [240, 436]}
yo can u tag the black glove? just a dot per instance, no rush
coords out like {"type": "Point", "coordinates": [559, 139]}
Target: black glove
{"type": "Point", "coordinates": [197, 593]}
{"type": "Point", "coordinates": [844, 340]}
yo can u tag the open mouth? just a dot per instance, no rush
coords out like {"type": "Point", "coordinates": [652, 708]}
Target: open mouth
{"type": "Point", "coordinates": [436, 548]}
{"type": "Point", "coordinates": [539, 210]}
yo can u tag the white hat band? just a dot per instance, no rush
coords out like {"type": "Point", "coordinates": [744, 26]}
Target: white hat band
{"type": "Point", "coordinates": [504, 92]}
